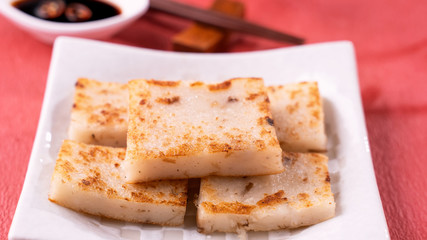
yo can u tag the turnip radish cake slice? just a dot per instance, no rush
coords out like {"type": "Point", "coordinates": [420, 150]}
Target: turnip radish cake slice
{"type": "Point", "coordinates": [298, 116]}
{"type": "Point", "coordinates": [181, 129]}
{"type": "Point", "coordinates": [89, 179]}
{"type": "Point", "coordinates": [99, 113]}
{"type": "Point", "coordinates": [299, 196]}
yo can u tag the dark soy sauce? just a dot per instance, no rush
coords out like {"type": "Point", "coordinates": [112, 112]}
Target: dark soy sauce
{"type": "Point", "coordinates": [70, 11]}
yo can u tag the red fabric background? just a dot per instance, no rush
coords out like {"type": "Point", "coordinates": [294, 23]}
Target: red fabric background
{"type": "Point", "coordinates": [390, 37]}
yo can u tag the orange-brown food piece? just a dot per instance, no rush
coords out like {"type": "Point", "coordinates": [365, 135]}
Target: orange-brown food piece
{"type": "Point", "coordinates": [205, 38]}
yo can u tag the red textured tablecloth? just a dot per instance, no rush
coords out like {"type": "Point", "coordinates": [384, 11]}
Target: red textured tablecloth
{"type": "Point", "coordinates": [390, 37]}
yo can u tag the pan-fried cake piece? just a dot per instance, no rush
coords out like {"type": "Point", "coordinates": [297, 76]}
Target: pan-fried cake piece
{"type": "Point", "coordinates": [89, 179]}
{"type": "Point", "coordinates": [99, 113]}
{"type": "Point", "coordinates": [298, 116]}
{"type": "Point", "coordinates": [299, 196]}
{"type": "Point", "coordinates": [191, 129]}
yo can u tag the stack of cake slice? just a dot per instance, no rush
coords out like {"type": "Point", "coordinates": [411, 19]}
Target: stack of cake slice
{"type": "Point", "coordinates": [229, 134]}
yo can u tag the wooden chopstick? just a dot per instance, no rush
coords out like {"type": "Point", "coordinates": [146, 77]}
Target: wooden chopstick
{"type": "Point", "coordinates": [221, 20]}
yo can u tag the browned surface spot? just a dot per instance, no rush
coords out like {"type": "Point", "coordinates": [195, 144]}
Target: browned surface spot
{"type": "Point", "coordinates": [82, 99]}
{"type": "Point", "coordinates": [116, 165]}
{"type": "Point", "coordinates": [182, 199]}
{"type": "Point", "coordinates": [270, 121]}
{"type": "Point", "coordinates": [304, 200]}
{"type": "Point", "coordinates": [294, 93]}
{"type": "Point", "coordinates": [273, 142]}
{"type": "Point", "coordinates": [248, 187]}
{"type": "Point", "coordinates": [140, 197]}
{"type": "Point", "coordinates": [112, 193]}
{"type": "Point", "coordinates": [142, 102]}
{"type": "Point", "coordinates": [66, 149]}
{"type": "Point", "coordinates": [314, 94]}
{"type": "Point", "coordinates": [220, 86]}
{"type": "Point", "coordinates": [93, 182]}
{"type": "Point", "coordinates": [164, 83]}
{"type": "Point", "coordinates": [290, 157]}
{"type": "Point", "coordinates": [252, 96]}
{"type": "Point", "coordinates": [260, 121]}
{"type": "Point", "coordinates": [80, 84]}
{"type": "Point", "coordinates": [249, 79]}
{"type": "Point", "coordinates": [181, 150]}
{"type": "Point", "coordinates": [317, 150]}
{"type": "Point", "coordinates": [106, 117]}
{"type": "Point", "coordinates": [291, 108]}
{"type": "Point", "coordinates": [311, 104]}
{"type": "Point", "coordinates": [316, 114]}
{"type": "Point", "coordinates": [168, 100]}
{"type": "Point", "coordinates": [232, 99]}
{"type": "Point", "coordinates": [85, 182]}
{"type": "Point", "coordinates": [219, 147]}
{"type": "Point", "coordinates": [264, 106]}
{"type": "Point", "coordinates": [260, 145]}
{"type": "Point", "coordinates": [228, 207]}
{"type": "Point", "coordinates": [121, 155]}
{"type": "Point", "coordinates": [303, 196]}
{"type": "Point", "coordinates": [169, 160]}
{"type": "Point", "coordinates": [273, 199]}
{"type": "Point", "coordinates": [327, 179]}
{"type": "Point", "coordinates": [196, 84]}
{"type": "Point", "coordinates": [67, 166]}
{"type": "Point", "coordinates": [265, 132]}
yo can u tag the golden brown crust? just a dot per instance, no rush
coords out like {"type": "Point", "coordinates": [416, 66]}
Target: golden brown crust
{"type": "Point", "coordinates": [167, 100]}
{"type": "Point", "coordinates": [228, 207]}
{"type": "Point", "coordinates": [164, 83]}
{"type": "Point", "coordinates": [197, 84]}
{"type": "Point", "coordinates": [219, 86]}
{"type": "Point", "coordinates": [273, 199]}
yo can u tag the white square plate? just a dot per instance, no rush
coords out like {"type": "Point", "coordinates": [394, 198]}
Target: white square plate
{"type": "Point", "coordinates": [359, 213]}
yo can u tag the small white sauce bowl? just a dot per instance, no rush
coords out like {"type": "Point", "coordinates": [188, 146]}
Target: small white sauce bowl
{"type": "Point", "coordinates": [47, 31]}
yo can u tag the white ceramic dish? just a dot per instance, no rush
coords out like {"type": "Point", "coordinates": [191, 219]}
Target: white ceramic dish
{"type": "Point", "coordinates": [359, 214]}
{"type": "Point", "coordinates": [47, 31]}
